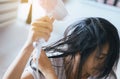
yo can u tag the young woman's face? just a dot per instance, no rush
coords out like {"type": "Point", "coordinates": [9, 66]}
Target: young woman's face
{"type": "Point", "coordinates": [93, 63]}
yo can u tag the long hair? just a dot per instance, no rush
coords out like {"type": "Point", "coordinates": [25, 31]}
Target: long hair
{"type": "Point", "coordinates": [82, 37]}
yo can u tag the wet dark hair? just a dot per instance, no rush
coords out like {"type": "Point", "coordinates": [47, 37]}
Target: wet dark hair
{"type": "Point", "coordinates": [83, 37]}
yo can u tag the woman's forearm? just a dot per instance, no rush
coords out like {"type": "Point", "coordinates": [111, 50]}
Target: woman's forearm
{"type": "Point", "coordinates": [16, 68]}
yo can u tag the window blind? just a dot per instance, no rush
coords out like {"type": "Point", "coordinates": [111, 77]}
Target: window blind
{"type": "Point", "coordinates": [8, 12]}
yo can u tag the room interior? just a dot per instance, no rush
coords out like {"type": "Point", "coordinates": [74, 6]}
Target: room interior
{"type": "Point", "coordinates": [16, 16]}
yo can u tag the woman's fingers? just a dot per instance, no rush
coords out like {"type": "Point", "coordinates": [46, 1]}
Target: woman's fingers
{"type": "Point", "coordinates": [42, 28]}
{"type": "Point", "coordinates": [46, 19]}
{"type": "Point", "coordinates": [42, 24]}
{"type": "Point", "coordinates": [52, 20]}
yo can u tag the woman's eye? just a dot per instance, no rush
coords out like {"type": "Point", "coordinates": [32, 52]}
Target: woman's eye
{"type": "Point", "coordinates": [100, 57]}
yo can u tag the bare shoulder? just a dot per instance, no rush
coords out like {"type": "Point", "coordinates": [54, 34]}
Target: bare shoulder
{"type": "Point", "coordinates": [27, 75]}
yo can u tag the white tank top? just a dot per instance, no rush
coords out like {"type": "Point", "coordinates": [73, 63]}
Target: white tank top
{"type": "Point", "coordinates": [55, 62]}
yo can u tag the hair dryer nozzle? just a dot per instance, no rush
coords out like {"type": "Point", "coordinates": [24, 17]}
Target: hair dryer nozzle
{"type": "Point", "coordinates": [54, 8]}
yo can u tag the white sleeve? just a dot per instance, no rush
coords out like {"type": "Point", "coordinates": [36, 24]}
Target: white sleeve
{"type": "Point", "coordinates": [29, 69]}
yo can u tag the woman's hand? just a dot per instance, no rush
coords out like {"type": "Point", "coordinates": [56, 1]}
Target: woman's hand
{"type": "Point", "coordinates": [40, 28]}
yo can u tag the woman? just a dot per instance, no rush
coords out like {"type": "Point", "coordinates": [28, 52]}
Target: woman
{"type": "Point", "coordinates": [89, 50]}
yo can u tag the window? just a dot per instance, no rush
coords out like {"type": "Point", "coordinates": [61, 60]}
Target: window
{"type": "Point", "coordinates": [110, 2]}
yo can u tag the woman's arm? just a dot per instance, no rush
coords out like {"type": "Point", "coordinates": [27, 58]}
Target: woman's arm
{"type": "Point", "coordinates": [40, 29]}
{"type": "Point", "coordinates": [45, 67]}
{"type": "Point", "coordinates": [16, 68]}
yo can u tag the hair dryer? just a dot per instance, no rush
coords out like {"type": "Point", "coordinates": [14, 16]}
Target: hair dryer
{"type": "Point", "coordinates": [54, 9]}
